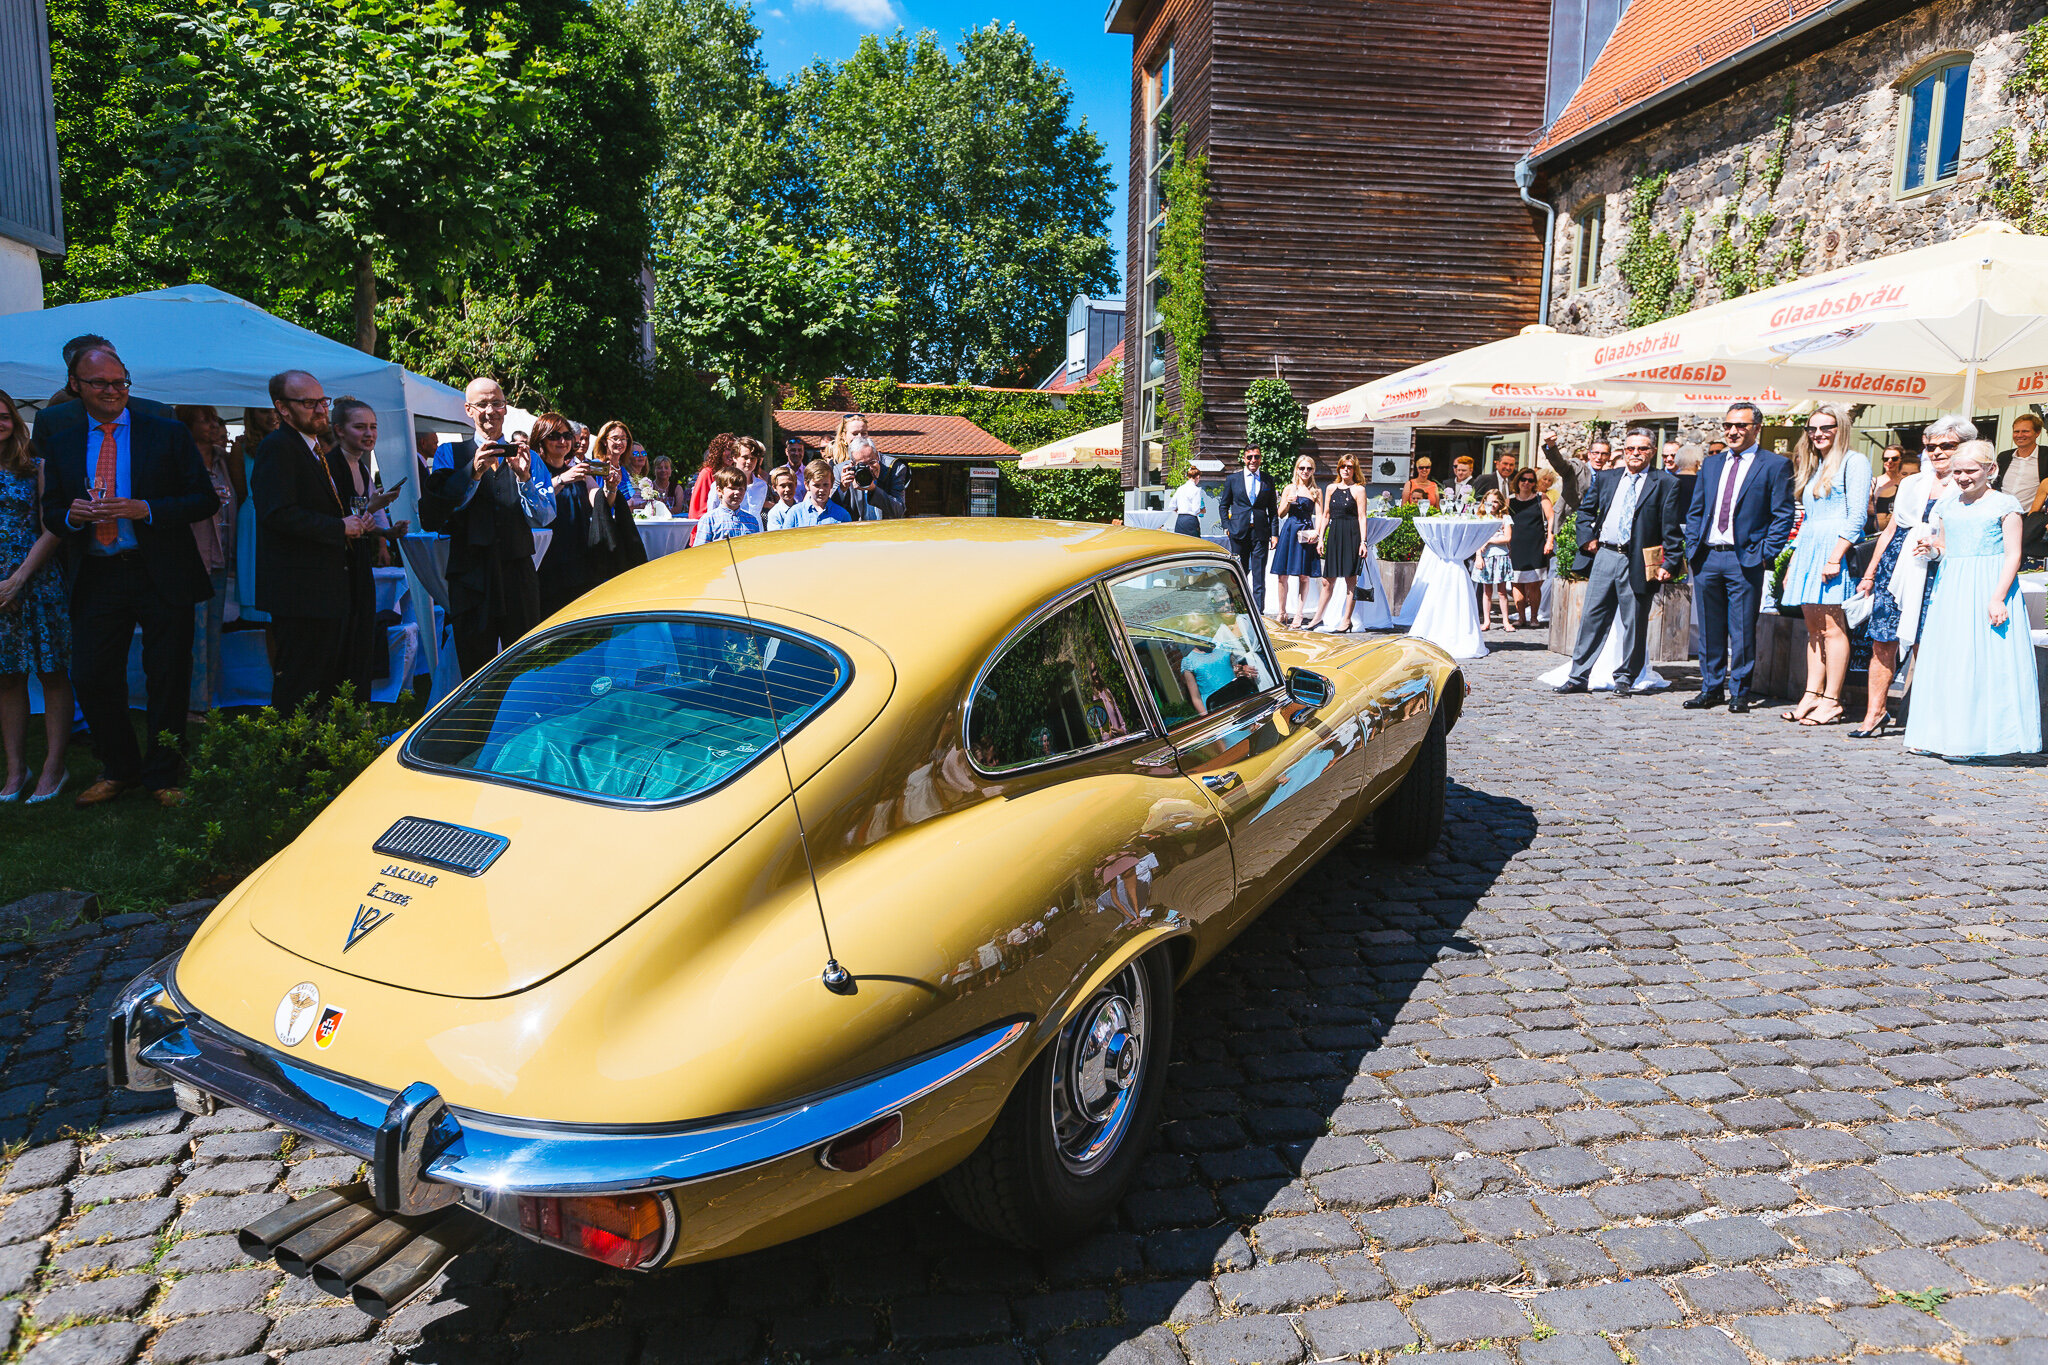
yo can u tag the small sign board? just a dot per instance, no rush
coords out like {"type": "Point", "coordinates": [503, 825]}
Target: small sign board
{"type": "Point", "coordinates": [983, 471]}
{"type": "Point", "coordinates": [1393, 439]}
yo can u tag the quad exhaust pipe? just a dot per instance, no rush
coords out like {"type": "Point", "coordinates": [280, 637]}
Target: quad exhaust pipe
{"type": "Point", "coordinates": [348, 1248]}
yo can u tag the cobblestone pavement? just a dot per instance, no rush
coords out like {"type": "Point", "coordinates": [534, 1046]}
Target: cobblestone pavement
{"type": "Point", "coordinates": [1705, 1040]}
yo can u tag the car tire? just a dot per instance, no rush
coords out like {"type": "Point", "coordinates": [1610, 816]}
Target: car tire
{"type": "Point", "coordinates": [1036, 1182]}
{"type": "Point", "coordinates": [1409, 822]}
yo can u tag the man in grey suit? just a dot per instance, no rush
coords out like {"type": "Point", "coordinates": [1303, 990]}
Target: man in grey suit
{"type": "Point", "coordinates": [1627, 511]}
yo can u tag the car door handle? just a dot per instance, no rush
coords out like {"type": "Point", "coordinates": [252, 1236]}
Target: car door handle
{"type": "Point", "coordinates": [1222, 782]}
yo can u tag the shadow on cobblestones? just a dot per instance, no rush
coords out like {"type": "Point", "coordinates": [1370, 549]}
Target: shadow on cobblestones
{"type": "Point", "coordinates": [1703, 1040]}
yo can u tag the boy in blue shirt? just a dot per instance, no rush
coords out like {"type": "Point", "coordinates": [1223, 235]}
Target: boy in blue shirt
{"type": "Point", "coordinates": [728, 516]}
{"type": "Point", "coordinates": [818, 509]}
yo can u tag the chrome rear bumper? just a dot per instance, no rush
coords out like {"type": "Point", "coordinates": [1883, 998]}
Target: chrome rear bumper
{"type": "Point", "coordinates": [424, 1154]}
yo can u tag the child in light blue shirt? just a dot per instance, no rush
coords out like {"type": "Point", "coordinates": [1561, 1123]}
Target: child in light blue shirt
{"type": "Point", "coordinates": [727, 516]}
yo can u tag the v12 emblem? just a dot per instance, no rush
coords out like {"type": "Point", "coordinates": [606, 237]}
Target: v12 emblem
{"type": "Point", "coordinates": [368, 917]}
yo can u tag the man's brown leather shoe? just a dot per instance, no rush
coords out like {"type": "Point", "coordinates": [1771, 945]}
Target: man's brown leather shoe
{"type": "Point", "coordinates": [170, 796]}
{"type": "Point", "coordinates": [101, 792]}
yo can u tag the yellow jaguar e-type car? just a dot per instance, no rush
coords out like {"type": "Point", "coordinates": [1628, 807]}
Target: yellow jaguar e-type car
{"type": "Point", "coordinates": [778, 877]}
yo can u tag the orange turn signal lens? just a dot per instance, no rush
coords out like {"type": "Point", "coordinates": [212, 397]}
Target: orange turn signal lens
{"type": "Point", "coordinates": [623, 1230]}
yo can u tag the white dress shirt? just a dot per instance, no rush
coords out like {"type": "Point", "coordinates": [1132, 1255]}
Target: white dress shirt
{"type": "Point", "coordinates": [1619, 528]}
{"type": "Point", "coordinates": [1736, 467]}
{"type": "Point", "coordinates": [1188, 499]}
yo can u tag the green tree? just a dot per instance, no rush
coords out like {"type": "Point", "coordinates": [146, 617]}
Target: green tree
{"type": "Point", "coordinates": [964, 188]}
{"type": "Point", "coordinates": [1274, 422]}
{"type": "Point", "coordinates": [324, 137]}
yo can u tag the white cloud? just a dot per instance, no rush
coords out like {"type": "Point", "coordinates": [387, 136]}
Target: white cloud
{"type": "Point", "coordinates": [872, 13]}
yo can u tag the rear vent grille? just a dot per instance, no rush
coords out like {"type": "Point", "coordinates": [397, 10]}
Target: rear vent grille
{"type": "Point", "coordinates": [439, 844]}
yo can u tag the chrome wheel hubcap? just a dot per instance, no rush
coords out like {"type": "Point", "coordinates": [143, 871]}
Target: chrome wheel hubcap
{"type": "Point", "coordinates": [1098, 1065]}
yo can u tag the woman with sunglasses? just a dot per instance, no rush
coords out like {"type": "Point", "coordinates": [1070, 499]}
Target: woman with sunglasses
{"type": "Point", "coordinates": [1295, 561]}
{"type": "Point", "coordinates": [1896, 581]}
{"type": "Point", "coordinates": [1534, 541]}
{"type": "Point", "coordinates": [1832, 483]}
{"type": "Point", "coordinates": [1343, 537]}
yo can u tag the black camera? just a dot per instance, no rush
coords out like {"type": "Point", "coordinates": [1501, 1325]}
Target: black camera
{"type": "Point", "coordinates": [863, 476]}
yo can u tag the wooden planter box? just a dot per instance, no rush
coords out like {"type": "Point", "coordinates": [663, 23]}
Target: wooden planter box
{"type": "Point", "coordinates": [1670, 621]}
{"type": "Point", "coordinates": [1398, 577]}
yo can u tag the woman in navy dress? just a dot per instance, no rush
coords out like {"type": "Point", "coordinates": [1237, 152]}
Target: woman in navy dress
{"type": "Point", "coordinates": [35, 622]}
{"type": "Point", "coordinates": [1911, 503]}
{"type": "Point", "coordinates": [1295, 557]}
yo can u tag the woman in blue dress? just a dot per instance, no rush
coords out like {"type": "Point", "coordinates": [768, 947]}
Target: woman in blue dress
{"type": "Point", "coordinates": [1833, 484]}
{"type": "Point", "coordinates": [35, 622]}
{"type": "Point", "coordinates": [1975, 694]}
{"type": "Point", "coordinates": [1295, 557]}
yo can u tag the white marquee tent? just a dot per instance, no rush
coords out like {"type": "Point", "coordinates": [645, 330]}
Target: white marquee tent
{"type": "Point", "coordinates": [195, 344]}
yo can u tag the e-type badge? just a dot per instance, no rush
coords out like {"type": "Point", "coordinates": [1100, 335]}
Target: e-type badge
{"type": "Point", "coordinates": [367, 918]}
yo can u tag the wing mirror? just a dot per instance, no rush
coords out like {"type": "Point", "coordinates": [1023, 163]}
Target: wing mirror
{"type": "Point", "coordinates": [1312, 690]}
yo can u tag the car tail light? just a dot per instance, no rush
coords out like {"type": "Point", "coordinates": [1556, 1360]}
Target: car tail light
{"type": "Point", "coordinates": [625, 1230]}
{"type": "Point", "coordinates": [862, 1147]}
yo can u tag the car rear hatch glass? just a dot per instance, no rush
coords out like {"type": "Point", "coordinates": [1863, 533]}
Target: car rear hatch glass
{"type": "Point", "coordinates": [642, 711]}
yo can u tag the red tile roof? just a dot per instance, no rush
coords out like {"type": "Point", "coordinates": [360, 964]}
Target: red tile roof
{"type": "Point", "coordinates": [899, 433]}
{"type": "Point", "coordinates": [1102, 367]}
{"type": "Point", "coordinates": [1660, 43]}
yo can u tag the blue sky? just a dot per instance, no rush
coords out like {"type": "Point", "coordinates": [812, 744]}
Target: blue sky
{"type": "Point", "coordinates": [1067, 33]}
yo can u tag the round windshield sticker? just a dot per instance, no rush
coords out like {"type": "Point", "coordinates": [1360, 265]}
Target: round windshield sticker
{"type": "Point", "coordinates": [296, 1012]}
{"type": "Point", "coordinates": [600, 685]}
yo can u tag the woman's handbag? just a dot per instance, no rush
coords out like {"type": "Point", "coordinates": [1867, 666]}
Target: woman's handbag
{"type": "Point", "coordinates": [1857, 610]}
{"type": "Point", "coordinates": [1857, 561]}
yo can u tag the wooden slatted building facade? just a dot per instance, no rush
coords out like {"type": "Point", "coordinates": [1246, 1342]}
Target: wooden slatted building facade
{"type": "Point", "coordinates": [1363, 213]}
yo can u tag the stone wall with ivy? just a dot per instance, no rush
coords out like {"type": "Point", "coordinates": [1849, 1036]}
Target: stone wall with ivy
{"type": "Point", "coordinates": [1791, 177]}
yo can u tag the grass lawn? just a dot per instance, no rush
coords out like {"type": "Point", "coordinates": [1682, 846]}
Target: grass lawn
{"type": "Point", "coordinates": [110, 849]}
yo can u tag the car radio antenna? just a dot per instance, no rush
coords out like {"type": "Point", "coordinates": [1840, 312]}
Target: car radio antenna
{"type": "Point", "coordinates": [835, 977]}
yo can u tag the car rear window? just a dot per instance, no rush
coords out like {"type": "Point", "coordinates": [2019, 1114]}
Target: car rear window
{"type": "Point", "coordinates": [646, 710]}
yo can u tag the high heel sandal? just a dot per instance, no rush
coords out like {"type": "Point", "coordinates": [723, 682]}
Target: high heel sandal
{"type": "Point", "coordinates": [1841, 717]}
{"type": "Point", "coordinates": [1795, 715]}
{"type": "Point", "coordinates": [1883, 726]}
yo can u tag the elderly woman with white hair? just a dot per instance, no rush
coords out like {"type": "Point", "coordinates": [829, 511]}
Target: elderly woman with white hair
{"type": "Point", "coordinates": [1896, 581]}
{"type": "Point", "coordinates": [1832, 483]}
{"type": "Point", "coordinates": [1975, 692]}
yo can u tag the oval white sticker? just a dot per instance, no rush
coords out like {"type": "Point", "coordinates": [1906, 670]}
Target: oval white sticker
{"type": "Point", "coordinates": [296, 1013]}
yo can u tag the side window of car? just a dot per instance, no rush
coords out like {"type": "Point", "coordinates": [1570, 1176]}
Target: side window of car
{"type": "Point", "coordinates": [1198, 644]}
{"type": "Point", "coordinates": [1060, 690]}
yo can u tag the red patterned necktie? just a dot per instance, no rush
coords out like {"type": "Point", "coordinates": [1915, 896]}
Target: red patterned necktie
{"type": "Point", "coordinates": [105, 474]}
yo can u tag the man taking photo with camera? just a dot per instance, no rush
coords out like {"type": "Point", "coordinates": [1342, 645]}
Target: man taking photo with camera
{"type": "Point", "coordinates": [871, 488]}
{"type": "Point", "coordinates": [483, 495]}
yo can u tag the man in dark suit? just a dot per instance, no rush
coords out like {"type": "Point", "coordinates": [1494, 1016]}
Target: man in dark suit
{"type": "Point", "coordinates": [1501, 476]}
{"type": "Point", "coordinates": [483, 496]}
{"type": "Point", "coordinates": [1740, 518]}
{"type": "Point", "coordinates": [1247, 511]}
{"type": "Point", "coordinates": [1629, 510]}
{"type": "Point", "coordinates": [302, 576]}
{"type": "Point", "coordinates": [133, 563]}
{"type": "Point", "coordinates": [62, 416]}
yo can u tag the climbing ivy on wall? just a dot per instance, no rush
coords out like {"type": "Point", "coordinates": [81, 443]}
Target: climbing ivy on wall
{"type": "Point", "coordinates": [1649, 258]}
{"type": "Point", "coordinates": [1738, 257]}
{"type": "Point", "coordinates": [2014, 186]}
{"type": "Point", "coordinates": [1184, 305]}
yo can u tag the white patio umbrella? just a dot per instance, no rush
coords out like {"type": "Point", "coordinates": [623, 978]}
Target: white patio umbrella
{"type": "Point", "coordinates": [1097, 448]}
{"type": "Point", "coordinates": [1522, 378]}
{"type": "Point", "coordinates": [1960, 320]}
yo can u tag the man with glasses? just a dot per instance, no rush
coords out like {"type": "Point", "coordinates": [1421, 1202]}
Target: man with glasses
{"type": "Point", "coordinates": [1630, 513]}
{"type": "Point", "coordinates": [122, 490]}
{"type": "Point", "coordinates": [304, 528]}
{"type": "Point", "coordinates": [484, 496]}
{"type": "Point", "coordinates": [1246, 508]}
{"type": "Point", "coordinates": [64, 415]}
{"type": "Point", "coordinates": [1741, 517]}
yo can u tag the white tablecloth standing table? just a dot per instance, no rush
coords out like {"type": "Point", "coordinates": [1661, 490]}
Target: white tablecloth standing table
{"type": "Point", "coordinates": [1374, 614]}
{"type": "Point", "coordinates": [1443, 606]}
{"type": "Point", "coordinates": [666, 536]}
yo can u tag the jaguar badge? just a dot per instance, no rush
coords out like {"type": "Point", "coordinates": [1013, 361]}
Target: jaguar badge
{"type": "Point", "coordinates": [295, 1013]}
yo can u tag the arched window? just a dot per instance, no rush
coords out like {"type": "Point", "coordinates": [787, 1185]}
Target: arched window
{"type": "Point", "coordinates": [1931, 125]}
